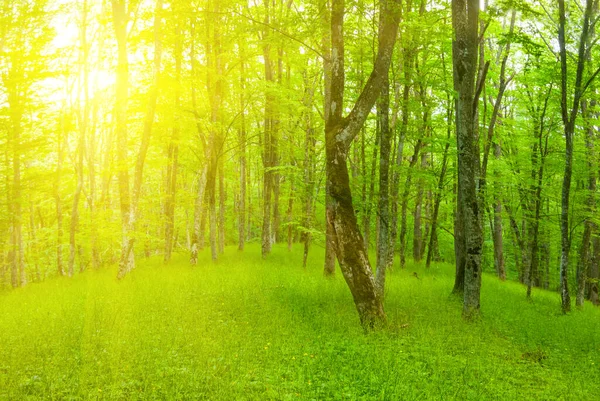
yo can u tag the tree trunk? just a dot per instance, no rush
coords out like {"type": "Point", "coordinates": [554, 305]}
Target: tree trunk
{"type": "Point", "coordinates": [368, 196]}
{"type": "Point", "coordinates": [417, 224]}
{"type": "Point", "coordinates": [61, 143]}
{"type": "Point", "coordinates": [340, 132]}
{"type": "Point", "coordinates": [465, 20]}
{"type": "Point", "coordinates": [383, 204]}
{"type": "Point", "coordinates": [198, 214]}
{"type": "Point", "coordinates": [497, 229]}
{"type": "Point", "coordinates": [440, 188]}
{"type": "Point", "coordinates": [568, 117]}
{"type": "Point", "coordinates": [242, 155]}
{"type": "Point", "coordinates": [329, 262]}
{"type": "Point", "coordinates": [585, 258]}
{"type": "Point", "coordinates": [594, 270]}
{"type": "Point", "coordinates": [173, 158]}
{"type": "Point", "coordinates": [395, 184]}
{"type": "Point", "coordinates": [222, 211]}
{"type": "Point", "coordinates": [404, 205]}
{"type": "Point", "coordinates": [120, 12]}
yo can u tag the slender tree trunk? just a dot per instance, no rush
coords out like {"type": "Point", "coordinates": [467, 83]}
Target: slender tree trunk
{"type": "Point", "coordinates": [120, 18]}
{"type": "Point", "coordinates": [242, 155]}
{"type": "Point", "coordinates": [340, 132]}
{"type": "Point", "coordinates": [268, 142]}
{"type": "Point", "coordinates": [329, 262]}
{"type": "Point", "coordinates": [417, 224]}
{"type": "Point", "coordinates": [395, 184]}
{"type": "Point", "coordinates": [594, 270]}
{"type": "Point", "coordinates": [83, 124]}
{"type": "Point", "coordinates": [173, 158]}
{"type": "Point", "coordinates": [383, 204]}
{"type": "Point", "coordinates": [497, 229]}
{"type": "Point", "coordinates": [222, 211]}
{"type": "Point", "coordinates": [61, 143]}
{"type": "Point", "coordinates": [569, 116]}
{"type": "Point", "coordinates": [198, 214]}
{"type": "Point", "coordinates": [368, 199]}
{"type": "Point", "coordinates": [404, 205]}
{"type": "Point", "coordinates": [585, 258]}
{"type": "Point", "coordinates": [440, 189]}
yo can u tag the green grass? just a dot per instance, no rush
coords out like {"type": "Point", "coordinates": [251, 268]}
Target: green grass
{"type": "Point", "coordinates": [248, 329]}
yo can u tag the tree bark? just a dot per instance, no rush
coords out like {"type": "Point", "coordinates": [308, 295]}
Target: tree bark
{"type": "Point", "coordinates": [465, 19]}
{"type": "Point", "coordinates": [120, 13]}
{"type": "Point", "coordinates": [383, 204]}
{"type": "Point", "coordinates": [242, 156]}
{"type": "Point", "coordinates": [440, 188]}
{"type": "Point", "coordinates": [585, 257]}
{"type": "Point", "coordinates": [569, 116]}
{"type": "Point", "coordinates": [340, 132]}
{"type": "Point", "coordinates": [172, 155]}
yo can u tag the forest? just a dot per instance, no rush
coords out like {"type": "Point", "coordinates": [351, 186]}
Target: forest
{"type": "Point", "coordinates": [299, 199]}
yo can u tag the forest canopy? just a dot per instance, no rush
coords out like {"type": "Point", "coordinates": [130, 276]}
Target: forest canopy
{"type": "Point", "coordinates": [387, 132]}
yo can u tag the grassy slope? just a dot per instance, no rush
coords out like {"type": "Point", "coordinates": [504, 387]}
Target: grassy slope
{"type": "Point", "coordinates": [248, 329]}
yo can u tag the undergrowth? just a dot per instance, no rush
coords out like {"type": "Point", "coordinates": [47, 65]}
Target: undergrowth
{"type": "Point", "coordinates": [245, 328]}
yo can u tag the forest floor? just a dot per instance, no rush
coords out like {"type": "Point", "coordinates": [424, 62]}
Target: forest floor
{"type": "Point", "coordinates": [248, 329]}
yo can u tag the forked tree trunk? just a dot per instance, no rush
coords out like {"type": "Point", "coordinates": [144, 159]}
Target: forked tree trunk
{"type": "Point", "coordinates": [569, 116]}
{"type": "Point", "coordinates": [340, 132]}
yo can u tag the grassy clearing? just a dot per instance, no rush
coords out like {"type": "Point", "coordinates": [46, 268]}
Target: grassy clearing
{"type": "Point", "coordinates": [248, 329]}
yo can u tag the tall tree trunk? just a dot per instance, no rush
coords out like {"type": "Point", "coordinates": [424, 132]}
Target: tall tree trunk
{"type": "Point", "coordinates": [497, 229]}
{"type": "Point", "coordinates": [417, 224]}
{"type": "Point", "coordinates": [197, 242]}
{"type": "Point", "coordinates": [61, 143]}
{"type": "Point", "coordinates": [404, 205]}
{"type": "Point", "coordinates": [569, 116]}
{"type": "Point", "coordinates": [395, 184]}
{"type": "Point", "coordinates": [538, 177]}
{"type": "Point", "coordinates": [120, 13]}
{"type": "Point", "coordinates": [368, 198]}
{"type": "Point", "coordinates": [465, 20]}
{"type": "Point", "coordinates": [309, 173]}
{"type": "Point", "coordinates": [440, 188]}
{"type": "Point", "coordinates": [268, 152]}
{"type": "Point", "coordinates": [83, 124]}
{"type": "Point", "coordinates": [173, 157]}
{"type": "Point", "coordinates": [242, 156]}
{"type": "Point", "coordinates": [585, 257]}
{"type": "Point", "coordinates": [222, 211]}
{"type": "Point", "coordinates": [329, 262]}
{"type": "Point", "coordinates": [199, 214]}
{"type": "Point", "coordinates": [595, 270]}
{"type": "Point", "coordinates": [33, 243]}
{"type": "Point", "coordinates": [383, 204]}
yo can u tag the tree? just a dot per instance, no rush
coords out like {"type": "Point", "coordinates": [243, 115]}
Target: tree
{"type": "Point", "coordinates": [465, 22]}
{"type": "Point", "coordinates": [569, 115]}
{"type": "Point", "coordinates": [339, 134]}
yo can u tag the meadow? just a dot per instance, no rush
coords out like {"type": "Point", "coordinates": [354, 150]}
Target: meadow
{"type": "Point", "coordinates": [245, 328]}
